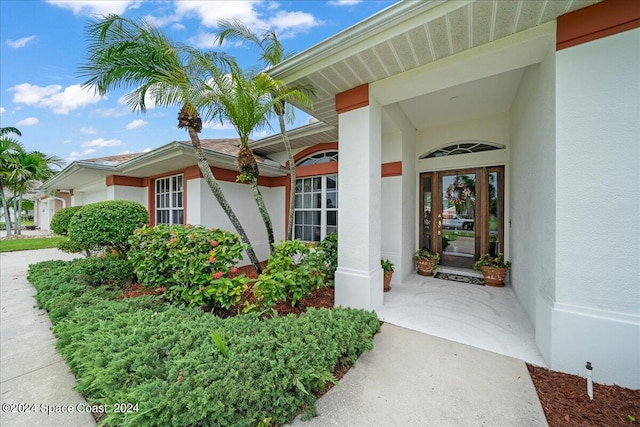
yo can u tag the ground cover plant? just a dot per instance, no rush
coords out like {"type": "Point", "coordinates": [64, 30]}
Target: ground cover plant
{"type": "Point", "coordinates": [184, 366]}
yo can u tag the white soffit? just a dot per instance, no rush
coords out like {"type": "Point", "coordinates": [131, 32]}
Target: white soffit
{"type": "Point", "coordinates": [409, 35]}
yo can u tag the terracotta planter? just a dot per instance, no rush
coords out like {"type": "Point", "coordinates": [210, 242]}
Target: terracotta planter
{"type": "Point", "coordinates": [387, 280]}
{"type": "Point", "coordinates": [494, 276]}
{"type": "Point", "coordinates": [425, 267]}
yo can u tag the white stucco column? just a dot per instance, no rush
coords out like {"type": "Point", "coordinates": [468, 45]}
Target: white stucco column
{"type": "Point", "coordinates": [358, 279]}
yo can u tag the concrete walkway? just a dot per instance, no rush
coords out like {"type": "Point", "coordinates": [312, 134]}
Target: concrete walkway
{"type": "Point", "coordinates": [33, 376]}
{"type": "Point", "coordinates": [414, 379]}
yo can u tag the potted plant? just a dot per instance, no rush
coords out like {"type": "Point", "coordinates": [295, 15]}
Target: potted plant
{"type": "Point", "coordinates": [387, 267]}
{"type": "Point", "coordinates": [426, 262]}
{"type": "Point", "coordinates": [493, 269]}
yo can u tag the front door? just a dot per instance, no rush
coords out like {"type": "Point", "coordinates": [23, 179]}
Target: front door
{"type": "Point", "coordinates": [462, 214]}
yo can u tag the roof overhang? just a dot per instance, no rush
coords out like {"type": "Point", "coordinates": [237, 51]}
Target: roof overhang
{"type": "Point", "coordinates": [304, 136]}
{"type": "Point", "coordinates": [406, 36]}
{"type": "Point", "coordinates": [174, 156]}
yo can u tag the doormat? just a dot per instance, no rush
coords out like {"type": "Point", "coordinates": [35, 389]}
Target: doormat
{"type": "Point", "coordinates": [460, 278]}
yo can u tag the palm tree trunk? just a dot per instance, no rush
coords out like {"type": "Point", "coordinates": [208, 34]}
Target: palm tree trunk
{"type": "Point", "coordinates": [292, 175]}
{"type": "Point", "coordinates": [219, 195]}
{"type": "Point", "coordinates": [264, 212]}
{"type": "Point", "coordinates": [19, 216]}
{"type": "Point", "coordinates": [7, 216]}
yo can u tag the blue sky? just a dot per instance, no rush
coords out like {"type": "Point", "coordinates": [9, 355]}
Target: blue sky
{"type": "Point", "coordinates": [42, 44]}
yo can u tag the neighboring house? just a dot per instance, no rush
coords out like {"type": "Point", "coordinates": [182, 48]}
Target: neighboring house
{"type": "Point", "coordinates": [523, 115]}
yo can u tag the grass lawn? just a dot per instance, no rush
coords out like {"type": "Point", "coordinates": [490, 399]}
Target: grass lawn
{"type": "Point", "coordinates": [30, 244]}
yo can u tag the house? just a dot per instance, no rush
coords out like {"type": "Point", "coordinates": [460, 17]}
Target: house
{"type": "Point", "coordinates": [527, 113]}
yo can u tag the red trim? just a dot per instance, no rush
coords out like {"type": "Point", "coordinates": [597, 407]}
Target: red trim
{"type": "Point", "coordinates": [391, 169]}
{"type": "Point", "coordinates": [126, 181]}
{"type": "Point", "coordinates": [352, 99]}
{"type": "Point", "coordinates": [319, 169]}
{"type": "Point", "coordinates": [597, 21]}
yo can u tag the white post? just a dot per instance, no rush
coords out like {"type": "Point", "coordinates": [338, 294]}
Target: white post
{"type": "Point", "coordinates": [358, 279]}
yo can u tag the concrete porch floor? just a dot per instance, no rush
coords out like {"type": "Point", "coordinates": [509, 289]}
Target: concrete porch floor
{"type": "Point", "coordinates": [480, 316]}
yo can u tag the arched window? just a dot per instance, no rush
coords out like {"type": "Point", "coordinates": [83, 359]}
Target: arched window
{"type": "Point", "coordinates": [462, 147]}
{"type": "Point", "coordinates": [324, 157]}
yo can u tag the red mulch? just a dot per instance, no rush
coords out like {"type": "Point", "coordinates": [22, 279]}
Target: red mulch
{"type": "Point", "coordinates": [566, 403]}
{"type": "Point", "coordinates": [563, 396]}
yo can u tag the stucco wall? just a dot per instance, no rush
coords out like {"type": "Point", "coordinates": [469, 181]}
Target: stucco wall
{"type": "Point", "coordinates": [203, 209]}
{"type": "Point", "coordinates": [135, 194]}
{"type": "Point", "coordinates": [532, 133]}
{"type": "Point", "coordinates": [597, 311]}
{"type": "Point", "coordinates": [91, 193]}
{"type": "Point", "coordinates": [493, 129]}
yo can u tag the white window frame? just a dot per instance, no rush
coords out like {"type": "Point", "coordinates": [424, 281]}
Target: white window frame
{"type": "Point", "coordinates": [323, 209]}
{"type": "Point", "coordinates": [170, 192]}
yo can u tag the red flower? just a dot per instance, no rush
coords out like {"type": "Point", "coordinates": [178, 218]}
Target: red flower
{"type": "Point", "coordinates": [218, 275]}
{"type": "Point", "coordinates": [212, 259]}
{"type": "Point", "coordinates": [233, 270]}
{"type": "Point", "coordinates": [163, 289]}
{"type": "Point", "coordinates": [114, 252]}
{"type": "Point", "coordinates": [214, 243]}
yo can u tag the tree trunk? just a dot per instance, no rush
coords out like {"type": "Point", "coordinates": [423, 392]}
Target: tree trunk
{"type": "Point", "coordinates": [264, 212]}
{"type": "Point", "coordinates": [7, 215]}
{"type": "Point", "coordinates": [19, 216]}
{"type": "Point", "coordinates": [219, 195]}
{"type": "Point", "coordinates": [292, 174]}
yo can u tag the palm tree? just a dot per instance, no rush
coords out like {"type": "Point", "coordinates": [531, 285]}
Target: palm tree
{"type": "Point", "coordinates": [27, 172]}
{"type": "Point", "coordinates": [9, 149]}
{"type": "Point", "coordinates": [272, 54]}
{"type": "Point", "coordinates": [244, 101]}
{"type": "Point", "coordinates": [125, 54]}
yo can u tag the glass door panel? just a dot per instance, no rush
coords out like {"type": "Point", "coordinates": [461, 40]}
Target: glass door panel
{"type": "Point", "coordinates": [458, 219]}
{"type": "Point", "coordinates": [426, 212]}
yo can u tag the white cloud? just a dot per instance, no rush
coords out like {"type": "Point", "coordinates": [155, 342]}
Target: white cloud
{"type": "Point", "coordinates": [204, 40]}
{"type": "Point", "coordinates": [74, 155]}
{"type": "Point", "coordinates": [217, 126]}
{"type": "Point", "coordinates": [20, 42]}
{"type": "Point", "coordinates": [96, 7]}
{"type": "Point", "coordinates": [53, 97]}
{"type": "Point", "coordinates": [149, 101]}
{"type": "Point", "coordinates": [111, 112]}
{"type": "Point", "coordinates": [210, 11]}
{"type": "Point", "coordinates": [343, 2]}
{"type": "Point", "coordinates": [102, 143]}
{"type": "Point", "coordinates": [88, 131]}
{"type": "Point", "coordinates": [146, 150]}
{"type": "Point", "coordinates": [29, 121]}
{"type": "Point", "coordinates": [2, 110]}
{"type": "Point", "coordinates": [138, 123]}
{"type": "Point", "coordinates": [287, 24]}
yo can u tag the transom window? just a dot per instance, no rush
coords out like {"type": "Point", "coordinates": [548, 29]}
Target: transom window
{"type": "Point", "coordinates": [325, 157]}
{"type": "Point", "coordinates": [316, 207]}
{"type": "Point", "coordinates": [462, 147]}
{"type": "Point", "coordinates": [169, 200]}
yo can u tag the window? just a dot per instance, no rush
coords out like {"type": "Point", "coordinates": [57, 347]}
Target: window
{"type": "Point", "coordinates": [169, 193]}
{"type": "Point", "coordinates": [316, 207]}
{"type": "Point", "coordinates": [462, 147]}
{"type": "Point", "coordinates": [325, 157]}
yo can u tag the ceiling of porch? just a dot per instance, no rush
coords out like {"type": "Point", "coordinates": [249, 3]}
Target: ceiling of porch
{"type": "Point", "coordinates": [409, 35]}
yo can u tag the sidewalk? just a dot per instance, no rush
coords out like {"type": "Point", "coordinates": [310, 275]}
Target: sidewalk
{"type": "Point", "coordinates": [32, 373]}
{"type": "Point", "coordinates": [414, 379]}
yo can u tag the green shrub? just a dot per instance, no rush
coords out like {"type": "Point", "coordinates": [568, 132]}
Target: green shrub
{"type": "Point", "coordinates": [61, 219]}
{"type": "Point", "coordinates": [107, 270]}
{"type": "Point", "coordinates": [293, 269]}
{"type": "Point", "coordinates": [193, 264]}
{"type": "Point", "coordinates": [108, 224]}
{"type": "Point", "coordinates": [182, 366]}
{"type": "Point", "coordinates": [329, 246]}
